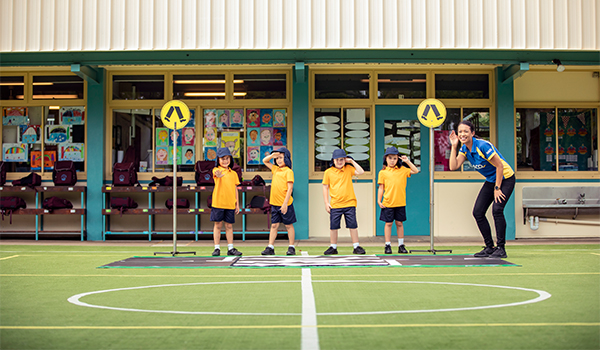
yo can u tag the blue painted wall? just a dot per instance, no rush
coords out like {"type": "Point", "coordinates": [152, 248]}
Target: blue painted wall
{"type": "Point", "coordinates": [300, 156]}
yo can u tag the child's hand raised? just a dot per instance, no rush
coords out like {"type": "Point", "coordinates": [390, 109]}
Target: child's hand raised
{"type": "Point", "coordinates": [453, 139]}
{"type": "Point", "coordinates": [219, 173]}
{"type": "Point", "coordinates": [404, 159]}
{"type": "Point", "coordinates": [349, 160]}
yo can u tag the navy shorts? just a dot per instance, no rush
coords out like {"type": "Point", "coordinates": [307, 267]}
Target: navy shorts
{"type": "Point", "coordinates": [391, 214]}
{"type": "Point", "coordinates": [335, 217]}
{"type": "Point", "coordinates": [277, 216]}
{"type": "Point", "coordinates": [218, 215]}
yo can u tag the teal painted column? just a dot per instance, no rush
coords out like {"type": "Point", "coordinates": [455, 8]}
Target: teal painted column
{"type": "Point", "coordinates": [505, 112]}
{"type": "Point", "coordinates": [95, 156]}
{"type": "Point", "coordinates": [300, 155]}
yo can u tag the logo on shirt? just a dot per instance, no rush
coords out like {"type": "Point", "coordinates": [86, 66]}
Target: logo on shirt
{"type": "Point", "coordinates": [489, 151]}
{"type": "Point", "coordinates": [479, 166]}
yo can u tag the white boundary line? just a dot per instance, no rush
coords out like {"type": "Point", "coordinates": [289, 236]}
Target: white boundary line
{"type": "Point", "coordinates": [310, 332]}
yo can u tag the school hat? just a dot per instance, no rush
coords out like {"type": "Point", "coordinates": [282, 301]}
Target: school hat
{"type": "Point", "coordinates": [391, 151]}
{"type": "Point", "coordinates": [223, 152]}
{"type": "Point", "coordinates": [287, 157]}
{"type": "Point", "coordinates": [338, 153]}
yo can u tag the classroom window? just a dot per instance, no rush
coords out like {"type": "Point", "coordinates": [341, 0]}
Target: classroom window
{"type": "Point", "coordinates": [462, 86]}
{"type": "Point", "coordinates": [259, 86]}
{"type": "Point", "coordinates": [401, 86]}
{"type": "Point", "coordinates": [57, 87]}
{"type": "Point", "coordinates": [138, 87]}
{"type": "Point", "coordinates": [347, 128]}
{"type": "Point", "coordinates": [342, 86]}
{"type": "Point", "coordinates": [405, 135]}
{"type": "Point", "coordinates": [199, 87]}
{"type": "Point", "coordinates": [12, 87]}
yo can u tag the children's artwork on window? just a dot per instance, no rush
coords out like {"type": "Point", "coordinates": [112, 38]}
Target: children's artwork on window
{"type": "Point", "coordinates": [36, 160]}
{"type": "Point", "coordinates": [237, 116]}
{"type": "Point", "coordinates": [253, 118]}
{"type": "Point", "coordinates": [175, 138]}
{"type": "Point", "coordinates": [279, 137]}
{"type": "Point", "coordinates": [266, 118]}
{"type": "Point", "coordinates": [15, 152]}
{"type": "Point", "coordinates": [162, 157]}
{"type": "Point", "coordinates": [210, 153]}
{"type": "Point", "coordinates": [71, 151]}
{"type": "Point", "coordinates": [29, 133]}
{"type": "Point", "coordinates": [279, 117]}
{"type": "Point", "coordinates": [210, 118]}
{"type": "Point", "coordinates": [179, 157]}
{"type": "Point", "coordinates": [15, 116]}
{"type": "Point", "coordinates": [231, 140]}
{"type": "Point", "coordinates": [188, 155]}
{"type": "Point", "coordinates": [57, 134]}
{"type": "Point", "coordinates": [210, 137]}
{"type": "Point", "coordinates": [192, 122]}
{"type": "Point", "coordinates": [266, 136]}
{"type": "Point", "coordinates": [189, 136]}
{"type": "Point", "coordinates": [253, 139]}
{"type": "Point", "coordinates": [224, 121]}
{"type": "Point", "coordinates": [253, 155]}
{"type": "Point", "coordinates": [162, 136]}
{"type": "Point", "coordinates": [72, 115]}
{"type": "Point", "coordinates": [265, 151]}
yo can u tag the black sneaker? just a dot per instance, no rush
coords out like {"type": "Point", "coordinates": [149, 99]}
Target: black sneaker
{"type": "Point", "coordinates": [498, 253]}
{"type": "Point", "coordinates": [358, 250]}
{"type": "Point", "coordinates": [330, 251]}
{"type": "Point", "coordinates": [268, 251]}
{"type": "Point", "coordinates": [402, 249]}
{"type": "Point", "coordinates": [234, 251]}
{"type": "Point", "coordinates": [487, 251]}
{"type": "Point", "coordinates": [291, 251]}
{"type": "Point", "coordinates": [216, 252]}
{"type": "Point", "coordinates": [388, 249]}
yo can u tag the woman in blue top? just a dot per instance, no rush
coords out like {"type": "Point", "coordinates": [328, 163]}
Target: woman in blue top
{"type": "Point", "coordinates": [498, 186]}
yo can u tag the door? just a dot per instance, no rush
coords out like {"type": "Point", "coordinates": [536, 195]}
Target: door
{"type": "Point", "coordinates": [398, 126]}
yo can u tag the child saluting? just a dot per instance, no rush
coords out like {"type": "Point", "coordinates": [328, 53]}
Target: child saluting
{"type": "Point", "coordinates": [392, 187]}
{"type": "Point", "coordinates": [225, 205]}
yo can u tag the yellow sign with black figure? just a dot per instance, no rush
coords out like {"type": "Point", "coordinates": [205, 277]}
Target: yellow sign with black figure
{"type": "Point", "coordinates": [431, 113]}
{"type": "Point", "coordinates": [175, 114]}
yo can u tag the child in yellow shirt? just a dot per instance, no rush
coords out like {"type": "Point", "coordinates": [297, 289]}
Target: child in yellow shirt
{"type": "Point", "coordinates": [225, 205]}
{"type": "Point", "coordinates": [282, 207]}
{"type": "Point", "coordinates": [392, 187]}
{"type": "Point", "coordinates": [337, 183]}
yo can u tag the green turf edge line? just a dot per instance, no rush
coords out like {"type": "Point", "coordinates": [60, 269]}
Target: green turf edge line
{"type": "Point", "coordinates": [293, 267]}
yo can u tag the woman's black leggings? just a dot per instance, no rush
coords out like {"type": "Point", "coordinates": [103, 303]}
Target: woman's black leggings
{"type": "Point", "coordinates": [484, 199]}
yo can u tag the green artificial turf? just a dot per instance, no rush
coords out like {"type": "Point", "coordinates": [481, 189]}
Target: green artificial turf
{"type": "Point", "coordinates": [37, 280]}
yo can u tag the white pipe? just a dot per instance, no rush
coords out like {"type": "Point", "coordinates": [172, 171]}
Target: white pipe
{"type": "Point", "coordinates": [533, 226]}
{"type": "Point", "coordinates": [567, 221]}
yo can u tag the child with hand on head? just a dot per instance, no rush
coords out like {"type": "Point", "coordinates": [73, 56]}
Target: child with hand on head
{"type": "Point", "coordinates": [225, 205]}
{"type": "Point", "coordinates": [282, 209]}
{"type": "Point", "coordinates": [337, 183]}
{"type": "Point", "coordinates": [392, 187]}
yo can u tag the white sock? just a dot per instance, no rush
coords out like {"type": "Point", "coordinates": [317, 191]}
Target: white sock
{"type": "Point", "coordinates": [292, 246]}
{"type": "Point", "coordinates": [217, 246]}
{"type": "Point", "coordinates": [400, 241]}
{"type": "Point", "coordinates": [334, 246]}
{"type": "Point", "coordinates": [271, 246]}
{"type": "Point", "coordinates": [388, 243]}
{"type": "Point", "coordinates": [355, 245]}
{"type": "Point", "coordinates": [230, 246]}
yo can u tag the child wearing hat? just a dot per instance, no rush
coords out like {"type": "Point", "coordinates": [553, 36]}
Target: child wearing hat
{"type": "Point", "coordinates": [282, 207]}
{"type": "Point", "coordinates": [225, 205]}
{"type": "Point", "coordinates": [392, 187]}
{"type": "Point", "coordinates": [337, 183]}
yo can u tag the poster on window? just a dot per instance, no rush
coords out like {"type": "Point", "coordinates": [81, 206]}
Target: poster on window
{"type": "Point", "coordinates": [223, 118]}
{"type": "Point", "coordinates": [15, 152]}
{"type": "Point", "coordinates": [56, 134]}
{"type": "Point", "coordinates": [279, 118]}
{"type": "Point", "coordinates": [253, 118]}
{"type": "Point", "coordinates": [36, 160]}
{"type": "Point", "coordinates": [237, 118]}
{"type": "Point", "coordinates": [162, 137]}
{"type": "Point", "coordinates": [210, 153]}
{"type": "Point", "coordinates": [188, 155]}
{"type": "Point", "coordinates": [279, 137]}
{"type": "Point", "coordinates": [162, 155]}
{"type": "Point", "coordinates": [266, 118]}
{"type": "Point", "coordinates": [188, 136]}
{"type": "Point", "coordinates": [175, 138]}
{"type": "Point", "coordinates": [266, 136]}
{"type": "Point", "coordinates": [210, 118]}
{"type": "Point", "coordinates": [29, 133]}
{"type": "Point", "coordinates": [71, 151]}
{"type": "Point", "coordinates": [253, 139]}
{"type": "Point", "coordinates": [15, 116]}
{"type": "Point", "coordinates": [253, 156]}
{"type": "Point", "coordinates": [179, 160]}
{"type": "Point", "coordinates": [210, 137]}
{"type": "Point", "coordinates": [265, 151]}
{"type": "Point", "coordinates": [72, 115]}
{"type": "Point", "coordinates": [231, 140]}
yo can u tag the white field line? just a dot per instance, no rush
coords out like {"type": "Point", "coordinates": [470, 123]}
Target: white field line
{"type": "Point", "coordinates": [310, 333]}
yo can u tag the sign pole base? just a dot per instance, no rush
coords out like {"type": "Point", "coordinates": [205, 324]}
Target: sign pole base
{"type": "Point", "coordinates": [174, 253]}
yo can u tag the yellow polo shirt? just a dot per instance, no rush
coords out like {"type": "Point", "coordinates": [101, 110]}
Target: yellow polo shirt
{"type": "Point", "coordinates": [223, 195]}
{"type": "Point", "coordinates": [279, 185]}
{"type": "Point", "coordinates": [394, 184]}
{"type": "Point", "coordinates": [340, 186]}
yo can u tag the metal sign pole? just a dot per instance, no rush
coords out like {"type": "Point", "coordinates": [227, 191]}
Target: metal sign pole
{"type": "Point", "coordinates": [175, 193]}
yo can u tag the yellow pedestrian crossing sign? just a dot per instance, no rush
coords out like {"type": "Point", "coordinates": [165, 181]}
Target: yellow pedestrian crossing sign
{"type": "Point", "coordinates": [431, 113]}
{"type": "Point", "coordinates": [175, 114]}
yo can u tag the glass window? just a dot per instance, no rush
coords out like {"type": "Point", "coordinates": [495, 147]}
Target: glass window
{"type": "Point", "coordinates": [57, 87]}
{"type": "Point", "coordinates": [332, 86]}
{"type": "Point", "coordinates": [199, 87]}
{"type": "Point", "coordinates": [259, 86]}
{"type": "Point", "coordinates": [138, 87]}
{"type": "Point", "coordinates": [349, 127]}
{"type": "Point", "coordinates": [54, 131]}
{"type": "Point", "coordinates": [405, 135]}
{"type": "Point", "coordinates": [183, 140]}
{"type": "Point", "coordinates": [401, 86]}
{"type": "Point", "coordinates": [12, 87]}
{"type": "Point", "coordinates": [462, 86]}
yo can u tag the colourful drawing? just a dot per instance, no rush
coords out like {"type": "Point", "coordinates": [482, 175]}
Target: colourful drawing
{"type": "Point", "coordinates": [253, 118]}
{"type": "Point", "coordinates": [237, 116]}
{"type": "Point", "coordinates": [36, 160]}
{"type": "Point", "coordinates": [15, 116]}
{"type": "Point", "coordinates": [266, 136]}
{"type": "Point", "coordinates": [210, 118]}
{"type": "Point", "coordinates": [179, 157]}
{"type": "Point", "coordinates": [57, 134]}
{"type": "Point", "coordinates": [49, 160]}
{"type": "Point", "coordinates": [254, 155]}
{"type": "Point", "coordinates": [279, 137]}
{"type": "Point", "coordinates": [231, 140]}
{"type": "Point", "coordinates": [253, 139]}
{"type": "Point", "coordinates": [29, 133]}
{"type": "Point", "coordinates": [265, 151]}
{"type": "Point", "coordinates": [266, 117]}
{"type": "Point", "coordinates": [72, 115]}
{"type": "Point", "coordinates": [210, 153]}
{"type": "Point", "coordinates": [162, 157]}
{"type": "Point", "coordinates": [188, 155]}
{"type": "Point", "coordinates": [15, 152]}
{"type": "Point", "coordinates": [224, 120]}
{"type": "Point", "coordinates": [71, 151]}
{"type": "Point", "coordinates": [189, 136]}
{"type": "Point", "coordinates": [582, 149]}
{"type": "Point", "coordinates": [279, 117]}
{"type": "Point", "coordinates": [210, 137]}
{"type": "Point", "coordinates": [192, 122]}
{"type": "Point", "coordinates": [175, 138]}
{"type": "Point", "coordinates": [162, 136]}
